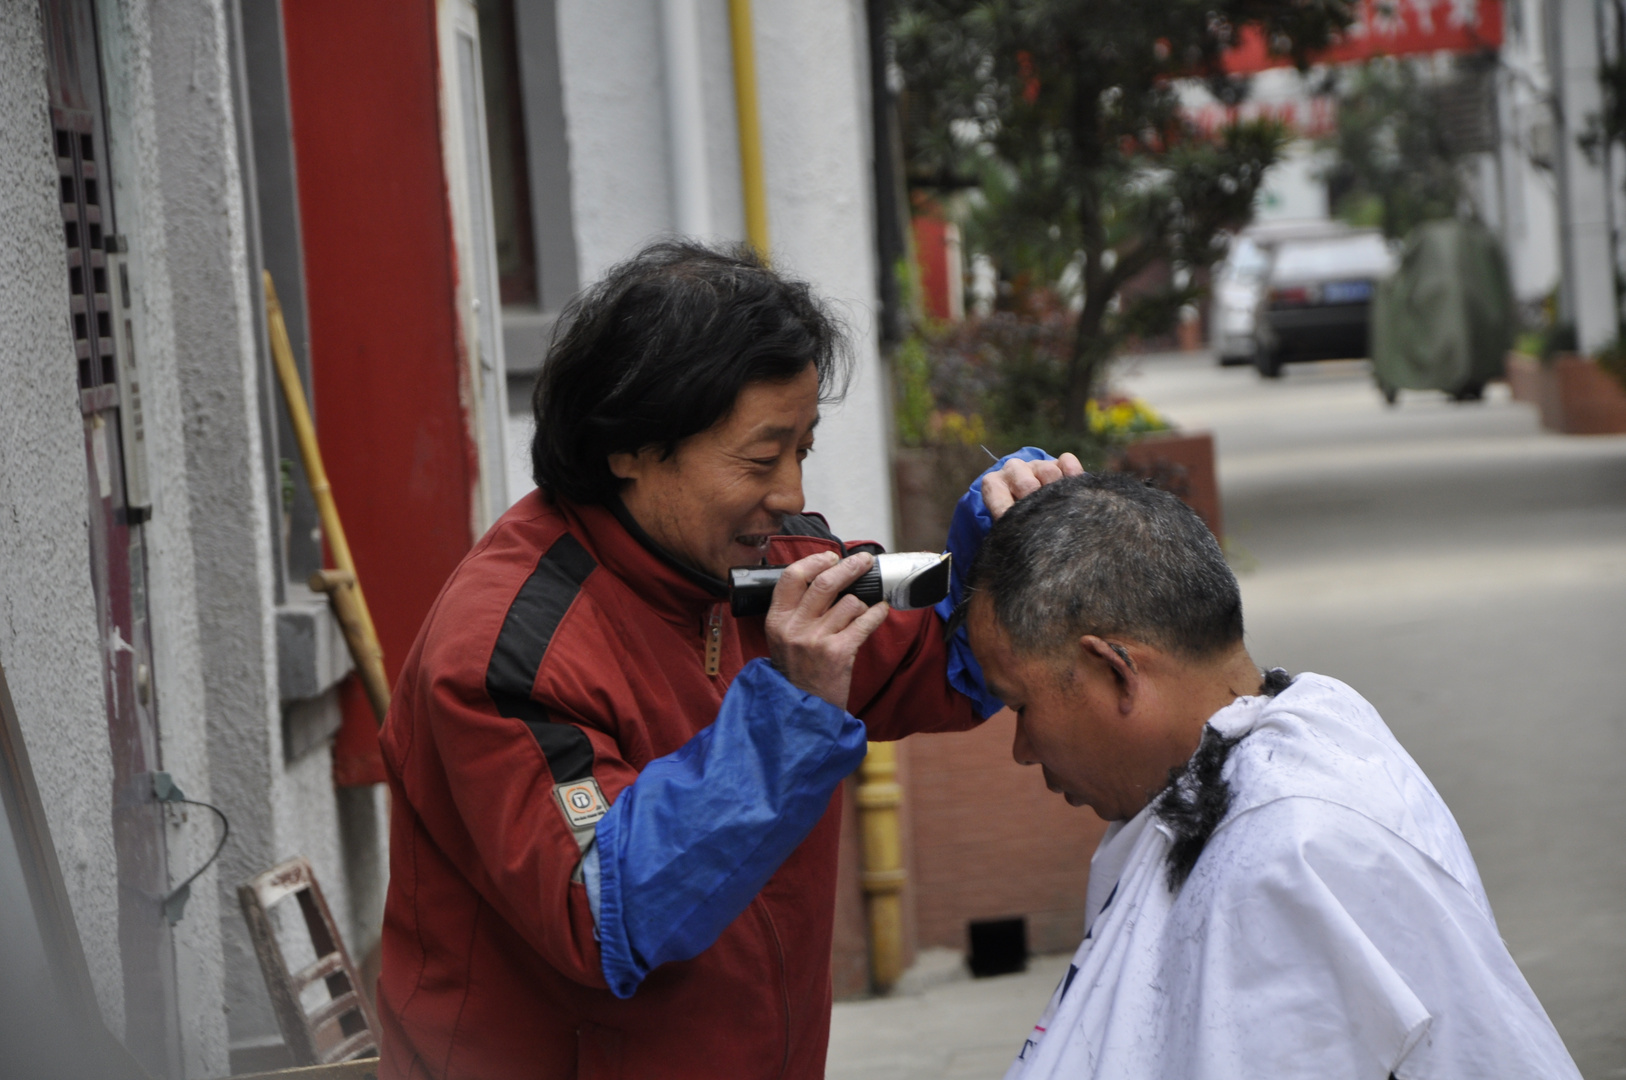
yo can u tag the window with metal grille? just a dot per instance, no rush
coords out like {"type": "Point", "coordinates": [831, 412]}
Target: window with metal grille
{"type": "Point", "coordinates": [91, 300]}
{"type": "Point", "coordinates": [100, 316]}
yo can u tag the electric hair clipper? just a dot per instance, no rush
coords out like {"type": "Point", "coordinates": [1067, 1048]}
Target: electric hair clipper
{"type": "Point", "coordinates": [904, 579]}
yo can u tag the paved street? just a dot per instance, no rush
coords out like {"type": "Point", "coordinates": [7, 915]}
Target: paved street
{"type": "Point", "coordinates": [1467, 573]}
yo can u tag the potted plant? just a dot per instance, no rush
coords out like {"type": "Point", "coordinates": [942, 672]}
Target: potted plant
{"type": "Point", "coordinates": [974, 390]}
{"type": "Point", "coordinates": [1576, 394]}
{"type": "Point", "coordinates": [1583, 395]}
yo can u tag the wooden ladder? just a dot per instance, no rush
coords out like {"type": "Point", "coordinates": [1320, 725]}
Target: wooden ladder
{"type": "Point", "coordinates": [341, 1027]}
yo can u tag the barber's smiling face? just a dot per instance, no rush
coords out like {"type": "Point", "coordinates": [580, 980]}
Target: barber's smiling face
{"type": "Point", "coordinates": [1067, 723]}
{"type": "Point", "coordinates": [714, 502]}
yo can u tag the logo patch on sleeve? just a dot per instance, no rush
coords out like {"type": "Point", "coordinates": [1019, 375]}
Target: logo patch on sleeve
{"type": "Point", "coordinates": [582, 802]}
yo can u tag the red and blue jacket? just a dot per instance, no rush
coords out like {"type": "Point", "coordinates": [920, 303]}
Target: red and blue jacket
{"type": "Point", "coordinates": [614, 825]}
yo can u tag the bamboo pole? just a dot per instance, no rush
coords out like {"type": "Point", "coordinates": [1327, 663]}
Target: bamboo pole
{"type": "Point", "coordinates": [752, 182]}
{"type": "Point", "coordinates": [342, 586]}
{"type": "Point", "coordinates": [879, 796]}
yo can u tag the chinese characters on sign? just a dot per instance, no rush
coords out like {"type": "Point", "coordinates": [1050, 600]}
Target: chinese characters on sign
{"type": "Point", "coordinates": [1390, 28]}
{"type": "Point", "coordinates": [1305, 117]}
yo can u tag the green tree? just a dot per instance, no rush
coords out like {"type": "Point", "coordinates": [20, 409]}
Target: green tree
{"type": "Point", "coordinates": [1066, 114]}
{"type": "Point", "coordinates": [1393, 161]}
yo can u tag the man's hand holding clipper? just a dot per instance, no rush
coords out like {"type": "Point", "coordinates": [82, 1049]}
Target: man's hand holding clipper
{"type": "Point", "coordinates": [813, 631]}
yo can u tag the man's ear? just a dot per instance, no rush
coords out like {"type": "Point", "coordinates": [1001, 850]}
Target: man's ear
{"type": "Point", "coordinates": [1116, 659]}
{"type": "Point", "coordinates": [627, 466]}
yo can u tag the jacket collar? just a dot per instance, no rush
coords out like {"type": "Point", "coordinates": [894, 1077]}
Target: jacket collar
{"type": "Point", "coordinates": [714, 586]}
{"type": "Point", "coordinates": [677, 591]}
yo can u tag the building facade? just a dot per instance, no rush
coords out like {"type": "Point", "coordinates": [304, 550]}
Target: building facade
{"type": "Point", "coordinates": [614, 123]}
{"type": "Point", "coordinates": [427, 184]}
{"type": "Point", "coordinates": [159, 636]}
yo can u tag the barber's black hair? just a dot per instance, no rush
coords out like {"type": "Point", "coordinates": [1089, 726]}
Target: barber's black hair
{"type": "Point", "coordinates": [660, 349]}
{"type": "Point", "coordinates": [1106, 554]}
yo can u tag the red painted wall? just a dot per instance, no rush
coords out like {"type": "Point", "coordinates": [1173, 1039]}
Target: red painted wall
{"type": "Point", "coordinates": [931, 255]}
{"type": "Point", "coordinates": [380, 275]}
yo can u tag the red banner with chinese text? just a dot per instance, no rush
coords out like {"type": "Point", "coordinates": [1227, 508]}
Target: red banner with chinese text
{"type": "Point", "coordinates": [1306, 118]}
{"type": "Point", "coordinates": [1389, 28]}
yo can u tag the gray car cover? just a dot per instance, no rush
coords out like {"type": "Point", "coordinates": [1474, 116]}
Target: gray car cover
{"type": "Point", "coordinates": [1445, 320]}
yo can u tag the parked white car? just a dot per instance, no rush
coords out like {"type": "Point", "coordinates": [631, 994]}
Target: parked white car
{"type": "Point", "coordinates": [1241, 279]}
{"type": "Point", "coordinates": [1318, 299]}
{"type": "Point", "coordinates": [1239, 282]}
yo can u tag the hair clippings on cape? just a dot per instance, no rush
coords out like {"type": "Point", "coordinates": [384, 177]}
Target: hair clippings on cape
{"type": "Point", "coordinates": [1275, 681]}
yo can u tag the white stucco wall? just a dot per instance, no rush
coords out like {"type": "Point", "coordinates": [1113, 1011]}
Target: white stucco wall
{"type": "Point", "coordinates": [1530, 200]}
{"type": "Point", "coordinates": [610, 71]}
{"type": "Point", "coordinates": [48, 637]}
{"type": "Point", "coordinates": [1293, 189]}
{"type": "Point", "coordinates": [232, 747]}
{"type": "Point", "coordinates": [722, 125]}
{"type": "Point", "coordinates": [276, 810]}
{"type": "Point", "coordinates": [1532, 228]}
{"type": "Point", "coordinates": [813, 79]}
{"type": "Point", "coordinates": [181, 203]}
{"type": "Point", "coordinates": [137, 150]}
{"type": "Point", "coordinates": [812, 72]}
{"type": "Point", "coordinates": [1592, 258]}
{"type": "Point", "coordinates": [180, 198]}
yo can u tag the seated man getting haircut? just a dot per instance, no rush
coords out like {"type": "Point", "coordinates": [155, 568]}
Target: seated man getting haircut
{"type": "Point", "coordinates": [1282, 892]}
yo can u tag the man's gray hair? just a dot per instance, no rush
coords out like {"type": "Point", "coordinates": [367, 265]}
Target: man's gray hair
{"type": "Point", "coordinates": [1107, 555]}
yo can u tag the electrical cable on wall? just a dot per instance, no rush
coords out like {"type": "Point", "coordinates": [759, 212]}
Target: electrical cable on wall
{"type": "Point", "coordinates": [166, 791]}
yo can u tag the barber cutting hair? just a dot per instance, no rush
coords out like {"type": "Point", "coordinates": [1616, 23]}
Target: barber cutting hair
{"type": "Point", "coordinates": [613, 842]}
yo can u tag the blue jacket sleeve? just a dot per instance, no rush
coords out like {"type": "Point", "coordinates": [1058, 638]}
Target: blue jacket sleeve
{"type": "Point", "coordinates": [967, 530]}
{"type": "Point", "coordinates": [687, 846]}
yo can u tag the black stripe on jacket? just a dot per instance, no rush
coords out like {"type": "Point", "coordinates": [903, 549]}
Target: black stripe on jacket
{"type": "Point", "coordinates": [526, 631]}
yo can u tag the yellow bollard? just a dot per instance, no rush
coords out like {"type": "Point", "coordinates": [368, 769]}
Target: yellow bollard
{"type": "Point", "coordinates": [879, 796]}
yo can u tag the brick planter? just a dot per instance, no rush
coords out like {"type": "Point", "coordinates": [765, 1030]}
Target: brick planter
{"type": "Point", "coordinates": [1181, 463]}
{"type": "Point", "coordinates": [1524, 377]}
{"type": "Point", "coordinates": [930, 481]}
{"type": "Point", "coordinates": [992, 842]}
{"type": "Point", "coordinates": [1575, 396]}
{"type": "Point", "coordinates": [1579, 398]}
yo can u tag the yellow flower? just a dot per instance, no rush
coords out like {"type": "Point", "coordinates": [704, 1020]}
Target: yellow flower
{"type": "Point", "coordinates": [1123, 419]}
{"type": "Point", "coordinates": [954, 427]}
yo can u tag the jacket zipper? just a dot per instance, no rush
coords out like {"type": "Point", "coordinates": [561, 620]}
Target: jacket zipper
{"type": "Point", "coordinates": [784, 979]}
{"type": "Point", "coordinates": [714, 640]}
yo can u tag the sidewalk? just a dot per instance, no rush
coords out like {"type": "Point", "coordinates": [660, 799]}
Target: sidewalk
{"type": "Point", "coordinates": [941, 1024]}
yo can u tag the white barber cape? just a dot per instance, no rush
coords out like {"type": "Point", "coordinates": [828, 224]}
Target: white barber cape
{"type": "Point", "coordinates": [1334, 926]}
